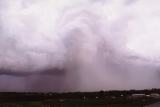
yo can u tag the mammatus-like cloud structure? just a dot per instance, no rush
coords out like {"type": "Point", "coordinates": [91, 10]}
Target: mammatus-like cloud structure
{"type": "Point", "coordinates": [79, 45]}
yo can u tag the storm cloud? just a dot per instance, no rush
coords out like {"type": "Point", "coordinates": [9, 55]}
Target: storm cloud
{"type": "Point", "coordinates": [79, 45]}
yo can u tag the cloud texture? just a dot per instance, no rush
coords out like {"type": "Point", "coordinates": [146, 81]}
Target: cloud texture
{"type": "Point", "coordinates": [79, 45]}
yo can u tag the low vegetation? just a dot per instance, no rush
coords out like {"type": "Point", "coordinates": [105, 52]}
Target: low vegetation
{"type": "Point", "coordinates": [131, 98]}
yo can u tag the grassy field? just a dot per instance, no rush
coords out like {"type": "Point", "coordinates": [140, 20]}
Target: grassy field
{"type": "Point", "coordinates": [79, 99]}
{"type": "Point", "coordinates": [39, 104]}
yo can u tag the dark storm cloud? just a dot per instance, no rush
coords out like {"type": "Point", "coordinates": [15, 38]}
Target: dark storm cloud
{"type": "Point", "coordinates": [83, 45]}
{"type": "Point", "coordinates": [17, 73]}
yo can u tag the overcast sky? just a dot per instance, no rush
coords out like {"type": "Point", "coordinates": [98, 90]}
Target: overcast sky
{"type": "Point", "coordinates": [79, 45]}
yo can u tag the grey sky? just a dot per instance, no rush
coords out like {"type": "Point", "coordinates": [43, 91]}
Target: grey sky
{"type": "Point", "coordinates": [79, 45]}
